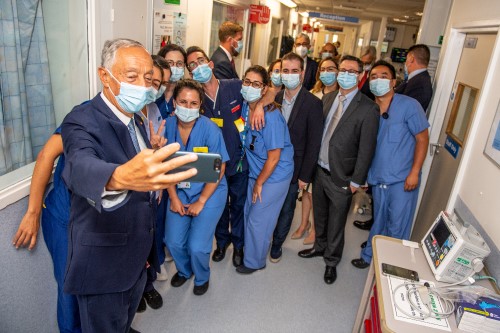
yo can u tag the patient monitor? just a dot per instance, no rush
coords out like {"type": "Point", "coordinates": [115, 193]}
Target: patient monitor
{"type": "Point", "coordinates": [453, 251]}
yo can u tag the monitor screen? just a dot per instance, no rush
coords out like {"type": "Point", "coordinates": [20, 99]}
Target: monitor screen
{"type": "Point", "coordinates": [441, 232]}
{"type": "Point", "coordinates": [398, 55]}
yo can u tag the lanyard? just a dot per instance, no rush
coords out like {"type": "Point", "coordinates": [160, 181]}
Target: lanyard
{"type": "Point", "coordinates": [179, 140]}
{"type": "Point", "coordinates": [245, 112]}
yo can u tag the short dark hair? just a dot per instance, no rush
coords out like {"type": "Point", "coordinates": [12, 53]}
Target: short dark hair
{"type": "Point", "coordinates": [257, 69]}
{"type": "Point", "coordinates": [421, 52]}
{"type": "Point", "coordinates": [160, 62]}
{"type": "Point", "coordinates": [228, 29]}
{"type": "Point", "coordinates": [293, 56]}
{"type": "Point", "coordinates": [172, 47]}
{"type": "Point", "coordinates": [352, 58]}
{"type": "Point", "coordinates": [193, 49]}
{"type": "Point", "coordinates": [188, 84]}
{"type": "Point", "coordinates": [386, 64]}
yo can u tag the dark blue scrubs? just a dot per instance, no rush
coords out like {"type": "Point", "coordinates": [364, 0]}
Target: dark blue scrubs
{"type": "Point", "coordinates": [166, 108]}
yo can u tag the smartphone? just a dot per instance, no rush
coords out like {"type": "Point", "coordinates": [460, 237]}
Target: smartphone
{"type": "Point", "coordinates": [400, 272]}
{"type": "Point", "coordinates": [208, 165]}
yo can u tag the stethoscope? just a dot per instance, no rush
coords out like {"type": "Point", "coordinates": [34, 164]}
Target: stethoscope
{"type": "Point", "coordinates": [385, 115]}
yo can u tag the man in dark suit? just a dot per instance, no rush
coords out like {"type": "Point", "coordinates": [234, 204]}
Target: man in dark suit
{"type": "Point", "coordinates": [302, 46]}
{"type": "Point", "coordinates": [419, 84]}
{"type": "Point", "coordinates": [368, 56]}
{"type": "Point", "coordinates": [231, 44]}
{"type": "Point", "coordinates": [347, 148]}
{"type": "Point", "coordinates": [111, 171]}
{"type": "Point", "coordinates": [303, 113]}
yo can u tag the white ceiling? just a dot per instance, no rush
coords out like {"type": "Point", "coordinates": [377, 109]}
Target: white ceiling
{"type": "Point", "coordinates": [402, 10]}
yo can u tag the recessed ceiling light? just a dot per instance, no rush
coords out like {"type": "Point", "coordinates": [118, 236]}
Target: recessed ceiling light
{"type": "Point", "coordinates": [419, 13]}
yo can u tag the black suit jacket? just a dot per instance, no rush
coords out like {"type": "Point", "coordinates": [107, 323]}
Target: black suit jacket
{"type": "Point", "coordinates": [306, 129]}
{"type": "Point", "coordinates": [310, 74]}
{"type": "Point", "coordinates": [108, 247]}
{"type": "Point", "coordinates": [418, 87]}
{"type": "Point", "coordinates": [365, 89]}
{"type": "Point", "coordinates": [222, 66]}
{"type": "Point", "coordinates": [352, 145]}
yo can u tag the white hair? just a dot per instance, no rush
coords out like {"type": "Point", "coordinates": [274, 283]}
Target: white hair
{"type": "Point", "coordinates": [110, 48]}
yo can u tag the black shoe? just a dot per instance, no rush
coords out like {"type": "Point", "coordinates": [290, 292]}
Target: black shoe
{"type": "Point", "coordinates": [360, 263]}
{"type": "Point", "coordinates": [200, 290]}
{"type": "Point", "coordinates": [275, 255]}
{"type": "Point", "coordinates": [330, 274]}
{"type": "Point", "coordinates": [246, 270]}
{"type": "Point", "coordinates": [364, 225]}
{"type": "Point", "coordinates": [363, 245]}
{"type": "Point", "coordinates": [177, 280]}
{"type": "Point", "coordinates": [131, 330]}
{"type": "Point", "coordinates": [310, 253]}
{"type": "Point", "coordinates": [237, 257]}
{"type": "Point", "coordinates": [219, 253]}
{"type": "Point", "coordinates": [153, 298]}
{"type": "Point", "coordinates": [142, 306]}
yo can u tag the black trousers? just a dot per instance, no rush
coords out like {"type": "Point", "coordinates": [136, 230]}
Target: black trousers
{"type": "Point", "coordinates": [113, 312]}
{"type": "Point", "coordinates": [330, 207]}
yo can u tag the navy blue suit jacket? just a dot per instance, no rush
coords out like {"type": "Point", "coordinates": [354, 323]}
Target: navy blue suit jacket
{"type": "Point", "coordinates": [306, 130]}
{"type": "Point", "coordinates": [222, 66]}
{"type": "Point", "coordinates": [108, 248]}
{"type": "Point", "coordinates": [418, 87]}
{"type": "Point", "coordinates": [310, 74]}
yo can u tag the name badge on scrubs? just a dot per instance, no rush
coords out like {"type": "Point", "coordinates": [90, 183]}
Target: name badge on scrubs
{"type": "Point", "coordinates": [184, 185]}
{"type": "Point", "coordinates": [218, 121]}
{"type": "Point", "coordinates": [200, 149]}
{"type": "Point", "coordinates": [240, 124]}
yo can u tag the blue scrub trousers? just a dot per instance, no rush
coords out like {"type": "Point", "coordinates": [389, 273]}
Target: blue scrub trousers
{"type": "Point", "coordinates": [260, 221]}
{"type": "Point", "coordinates": [189, 240]}
{"type": "Point", "coordinates": [393, 211]}
{"type": "Point", "coordinates": [55, 234]}
{"type": "Point", "coordinates": [286, 216]}
{"type": "Point", "coordinates": [233, 212]}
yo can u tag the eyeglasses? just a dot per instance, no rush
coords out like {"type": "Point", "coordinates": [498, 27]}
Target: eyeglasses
{"type": "Point", "coordinates": [350, 71]}
{"type": "Point", "coordinates": [328, 69]}
{"type": "Point", "coordinates": [200, 61]}
{"type": "Point", "coordinates": [255, 84]}
{"type": "Point", "coordinates": [179, 63]}
{"type": "Point", "coordinates": [302, 44]}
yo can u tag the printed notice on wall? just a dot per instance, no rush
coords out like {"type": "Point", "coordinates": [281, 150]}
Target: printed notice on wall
{"type": "Point", "coordinates": [168, 28]}
{"type": "Point", "coordinates": [492, 148]}
{"type": "Point", "coordinates": [400, 297]}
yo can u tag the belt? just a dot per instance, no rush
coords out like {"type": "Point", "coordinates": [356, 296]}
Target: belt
{"type": "Point", "coordinates": [325, 170]}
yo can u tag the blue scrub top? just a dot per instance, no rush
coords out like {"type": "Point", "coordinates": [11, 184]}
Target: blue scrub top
{"type": "Point", "coordinates": [273, 136]}
{"type": "Point", "coordinates": [228, 107]}
{"type": "Point", "coordinates": [166, 108]}
{"type": "Point", "coordinates": [203, 134]}
{"type": "Point", "coordinates": [58, 199]}
{"type": "Point", "coordinates": [396, 141]}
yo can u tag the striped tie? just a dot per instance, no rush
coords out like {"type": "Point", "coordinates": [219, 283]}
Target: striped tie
{"type": "Point", "coordinates": [133, 135]}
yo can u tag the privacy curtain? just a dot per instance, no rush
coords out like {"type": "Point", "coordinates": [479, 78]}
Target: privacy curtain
{"type": "Point", "coordinates": [26, 110]}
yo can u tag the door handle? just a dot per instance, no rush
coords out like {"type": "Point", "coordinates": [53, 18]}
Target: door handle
{"type": "Point", "coordinates": [434, 148]}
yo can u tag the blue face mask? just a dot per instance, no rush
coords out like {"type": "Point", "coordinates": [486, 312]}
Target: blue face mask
{"type": "Point", "coordinates": [347, 80]}
{"type": "Point", "coordinates": [380, 87]}
{"type": "Point", "coordinates": [160, 91]}
{"type": "Point", "coordinates": [177, 73]}
{"type": "Point", "coordinates": [186, 115]}
{"type": "Point", "coordinates": [291, 81]}
{"type": "Point", "coordinates": [276, 79]}
{"type": "Point", "coordinates": [202, 73]}
{"type": "Point", "coordinates": [132, 98]}
{"type": "Point", "coordinates": [251, 94]}
{"type": "Point", "coordinates": [328, 78]}
{"type": "Point", "coordinates": [239, 47]}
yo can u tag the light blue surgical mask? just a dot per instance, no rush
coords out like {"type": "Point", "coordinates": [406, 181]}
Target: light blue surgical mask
{"type": "Point", "coordinates": [291, 81]}
{"type": "Point", "coordinates": [251, 94]}
{"type": "Point", "coordinates": [132, 98]}
{"type": "Point", "coordinates": [186, 115]}
{"type": "Point", "coordinates": [325, 55]}
{"type": "Point", "coordinates": [328, 78]}
{"type": "Point", "coordinates": [161, 91]}
{"type": "Point", "coordinates": [276, 79]}
{"type": "Point", "coordinates": [239, 47]}
{"type": "Point", "coordinates": [380, 87]}
{"type": "Point", "coordinates": [347, 80]}
{"type": "Point", "coordinates": [177, 73]}
{"type": "Point", "coordinates": [202, 73]}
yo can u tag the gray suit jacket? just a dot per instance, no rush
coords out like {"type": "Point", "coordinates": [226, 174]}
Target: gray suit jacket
{"type": "Point", "coordinates": [352, 145]}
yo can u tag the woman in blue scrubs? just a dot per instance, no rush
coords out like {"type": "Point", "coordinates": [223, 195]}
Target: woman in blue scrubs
{"type": "Point", "coordinates": [176, 59]}
{"type": "Point", "coordinates": [270, 158]}
{"type": "Point", "coordinates": [193, 208]}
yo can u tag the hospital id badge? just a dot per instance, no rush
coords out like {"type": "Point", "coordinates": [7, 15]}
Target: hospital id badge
{"type": "Point", "coordinates": [184, 185]}
{"type": "Point", "coordinates": [218, 121]}
{"type": "Point", "coordinates": [200, 149]}
{"type": "Point", "coordinates": [240, 124]}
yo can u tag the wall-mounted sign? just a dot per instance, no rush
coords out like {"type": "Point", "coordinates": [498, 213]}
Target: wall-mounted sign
{"type": "Point", "coordinates": [451, 146]}
{"type": "Point", "coordinates": [307, 28]}
{"type": "Point", "coordinates": [259, 14]}
{"type": "Point", "coordinates": [334, 17]}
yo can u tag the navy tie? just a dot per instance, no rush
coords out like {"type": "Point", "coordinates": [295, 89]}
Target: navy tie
{"type": "Point", "coordinates": [133, 135]}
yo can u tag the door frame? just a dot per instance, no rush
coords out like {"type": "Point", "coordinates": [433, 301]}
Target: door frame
{"type": "Point", "coordinates": [447, 68]}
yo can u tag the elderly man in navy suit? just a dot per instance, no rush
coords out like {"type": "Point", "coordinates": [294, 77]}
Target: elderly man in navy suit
{"type": "Point", "coordinates": [302, 46]}
{"type": "Point", "coordinates": [111, 171]}
{"type": "Point", "coordinates": [231, 44]}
